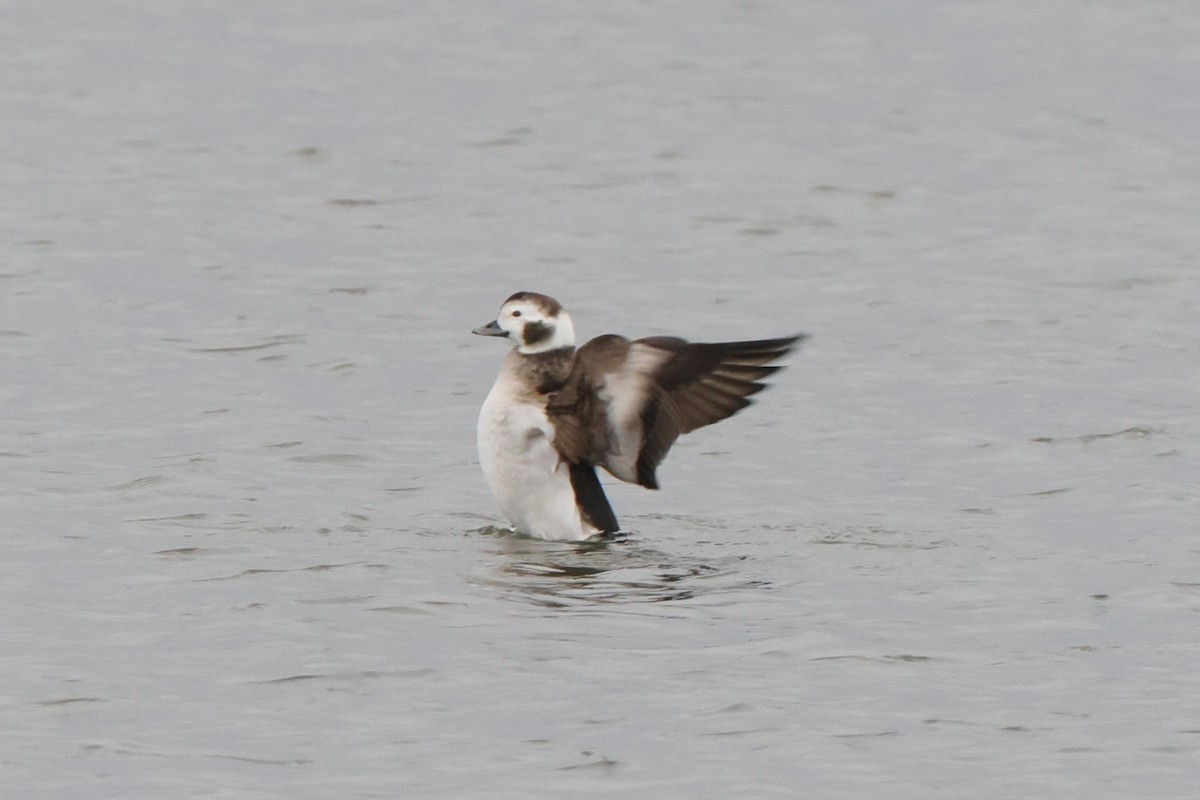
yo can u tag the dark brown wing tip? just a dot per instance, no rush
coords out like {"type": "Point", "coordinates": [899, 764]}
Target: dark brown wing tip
{"type": "Point", "coordinates": [792, 342]}
{"type": "Point", "coordinates": [777, 347]}
{"type": "Point", "coordinates": [647, 475]}
{"type": "Point", "coordinates": [590, 499]}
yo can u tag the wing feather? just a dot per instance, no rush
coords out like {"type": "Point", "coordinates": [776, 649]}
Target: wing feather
{"type": "Point", "coordinates": [626, 402]}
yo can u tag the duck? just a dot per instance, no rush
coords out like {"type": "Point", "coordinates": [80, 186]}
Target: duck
{"type": "Point", "coordinates": [557, 413]}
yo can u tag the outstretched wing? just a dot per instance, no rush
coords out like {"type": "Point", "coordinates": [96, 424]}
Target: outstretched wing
{"type": "Point", "coordinates": [626, 402]}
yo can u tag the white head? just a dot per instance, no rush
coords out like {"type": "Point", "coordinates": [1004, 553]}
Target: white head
{"type": "Point", "coordinates": [535, 323]}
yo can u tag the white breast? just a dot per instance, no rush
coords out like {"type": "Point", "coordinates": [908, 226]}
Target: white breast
{"type": "Point", "coordinates": [522, 468]}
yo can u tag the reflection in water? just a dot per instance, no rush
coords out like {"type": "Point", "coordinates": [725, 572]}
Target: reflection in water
{"type": "Point", "coordinates": [614, 569]}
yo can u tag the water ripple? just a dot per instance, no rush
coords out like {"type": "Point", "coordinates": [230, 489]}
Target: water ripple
{"type": "Point", "coordinates": [614, 571]}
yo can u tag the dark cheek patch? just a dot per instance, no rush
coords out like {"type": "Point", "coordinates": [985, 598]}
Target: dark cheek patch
{"type": "Point", "coordinates": [536, 332]}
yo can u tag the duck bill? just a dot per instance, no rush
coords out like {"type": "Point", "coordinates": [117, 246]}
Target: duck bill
{"type": "Point", "coordinates": [491, 329]}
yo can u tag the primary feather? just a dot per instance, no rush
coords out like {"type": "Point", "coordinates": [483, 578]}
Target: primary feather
{"type": "Point", "coordinates": [625, 403]}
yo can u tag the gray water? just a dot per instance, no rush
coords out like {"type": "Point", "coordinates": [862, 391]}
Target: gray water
{"type": "Point", "coordinates": [247, 550]}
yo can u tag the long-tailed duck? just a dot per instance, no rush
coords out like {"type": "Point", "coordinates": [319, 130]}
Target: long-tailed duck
{"type": "Point", "coordinates": [556, 412]}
